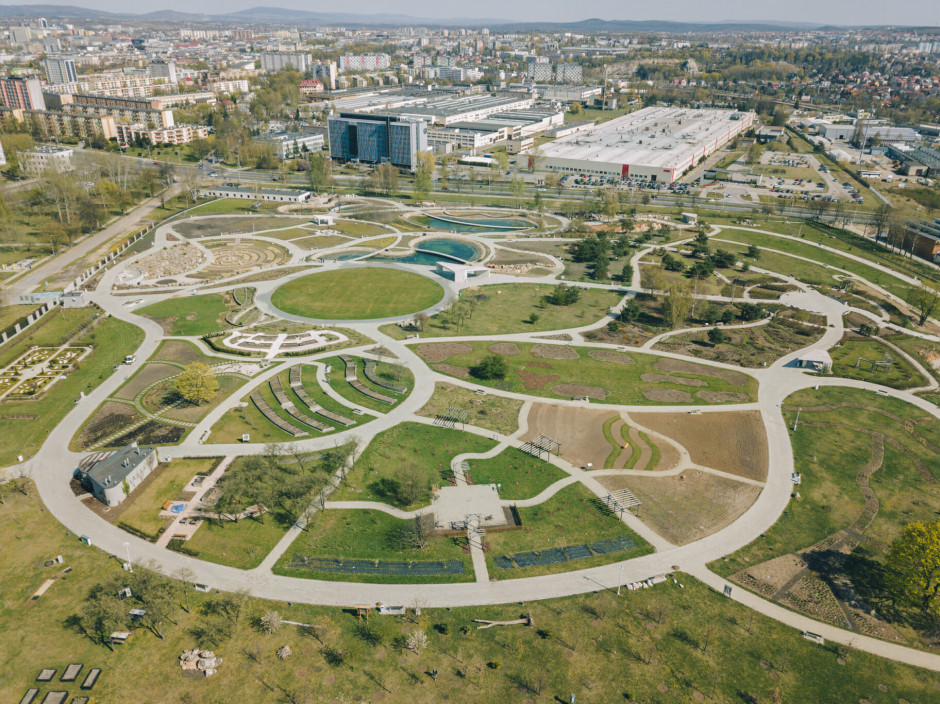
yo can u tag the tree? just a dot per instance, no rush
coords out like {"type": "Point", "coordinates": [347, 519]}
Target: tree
{"type": "Point", "coordinates": [631, 311]}
{"type": "Point", "coordinates": [387, 178]}
{"type": "Point", "coordinates": [677, 303]}
{"type": "Point", "coordinates": [926, 300]}
{"type": "Point", "coordinates": [197, 383]}
{"type": "Point", "coordinates": [444, 163]}
{"type": "Point", "coordinates": [320, 175]}
{"type": "Point", "coordinates": [270, 622]}
{"type": "Point", "coordinates": [517, 186]}
{"type": "Point", "coordinates": [716, 336]}
{"type": "Point", "coordinates": [424, 173]}
{"type": "Point", "coordinates": [417, 641]}
{"type": "Point", "coordinates": [671, 262]}
{"type": "Point", "coordinates": [492, 366]}
{"type": "Point", "coordinates": [102, 614]}
{"type": "Point", "coordinates": [753, 251]}
{"type": "Point", "coordinates": [563, 295]}
{"type": "Point", "coordinates": [754, 153]}
{"type": "Point", "coordinates": [912, 567]}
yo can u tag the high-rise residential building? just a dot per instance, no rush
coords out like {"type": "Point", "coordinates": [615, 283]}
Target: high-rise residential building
{"type": "Point", "coordinates": [569, 73]}
{"type": "Point", "coordinates": [376, 139]}
{"type": "Point", "coordinates": [325, 72]}
{"type": "Point", "coordinates": [22, 93]}
{"type": "Point", "coordinates": [51, 45]}
{"type": "Point", "coordinates": [60, 70]}
{"type": "Point", "coordinates": [272, 63]}
{"type": "Point", "coordinates": [160, 69]}
{"type": "Point", "coordinates": [364, 62]}
{"type": "Point", "coordinates": [538, 69]}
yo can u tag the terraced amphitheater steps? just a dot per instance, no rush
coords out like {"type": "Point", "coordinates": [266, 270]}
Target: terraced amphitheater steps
{"type": "Point", "coordinates": [354, 382]}
{"type": "Point", "coordinates": [297, 385]}
{"type": "Point", "coordinates": [292, 410]}
{"type": "Point", "coordinates": [269, 413]}
{"type": "Point", "coordinates": [372, 375]}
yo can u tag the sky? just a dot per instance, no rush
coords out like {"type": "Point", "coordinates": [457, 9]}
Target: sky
{"type": "Point", "coordinates": [842, 12]}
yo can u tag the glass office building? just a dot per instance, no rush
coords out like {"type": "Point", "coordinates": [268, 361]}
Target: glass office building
{"type": "Point", "coordinates": [375, 139]}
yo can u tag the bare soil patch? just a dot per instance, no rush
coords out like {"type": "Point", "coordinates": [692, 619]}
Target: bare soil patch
{"type": "Point", "coordinates": [444, 350]}
{"type": "Point", "coordinates": [180, 351]}
{"type": "Point", "coordinates": [735, 442]}
{"type": "Point", "coordinates": [459, 372]}
{"type": "Point", "coordinates": [580, 391]}
{"type": "Point", "coordinates": [668, 395]}
{"type": "Point", "coordinates": [689, 506]}
{"type": "Point", "coordinates": [579, 430]}
{"type": "Point", "coordinates": [152, 433]}
{"type": "Point", "coordinates": [110, 418]}
{"type": "Point", "coordinates": [536, 381]}
{"type": "Point", "coordinates": [653, 378]}
{"type": "Point", "coordinates": [721, 397]}
{"type": "Point", "coordinates": [677, 366]}
{"type": "Point", "coordinates": [553, 352]}
{"type": "Point", "coordinates": [668, 455]}
{"type": "Point", "coordinates": [611, 356]}
{"type": "Point", "coordinates": [507, 349]}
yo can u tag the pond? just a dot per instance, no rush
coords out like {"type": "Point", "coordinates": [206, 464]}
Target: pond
{"type": "Point", "coordinates": [453, 248]}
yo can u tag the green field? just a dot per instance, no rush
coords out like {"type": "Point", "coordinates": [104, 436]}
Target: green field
{"type": "Point", "coordinates": [30, 422]}
{"type": "Point", "coordinates": [573, 516]}
{"type": "Point", "coordinates": [364, 534]}
{"type": "Point", "coordinates": [689, 640]}
{"type": "Point", "coordinates": [357, 294]}
{"type": "Point", "coordinates": [337, 381]}
{"type": "Point", "coordinates": [520, 475]}
{"type": "Point", "coordinates": [579, 374]}
{"type": "Point", "coordinates": [192, 315]}
{"type": "Point", "coordinates": [243, 544]}
{"type": "Point", "coordinates": [422, 451]}
{"type": "Point", "coordinates": [496, 413]}
{"type": "Point", "coordinates": [863, 353]}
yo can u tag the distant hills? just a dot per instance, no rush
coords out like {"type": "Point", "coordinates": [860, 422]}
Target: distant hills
{"type": "Point", "coordinates": [280, 15]}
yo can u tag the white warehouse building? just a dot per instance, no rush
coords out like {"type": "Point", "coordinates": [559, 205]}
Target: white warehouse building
{"type": "Point", "coordinates": [656, 143]}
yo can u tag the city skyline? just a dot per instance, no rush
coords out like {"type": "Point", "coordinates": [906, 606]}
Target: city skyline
{"type": "Point", "coordinates": [838, 12]}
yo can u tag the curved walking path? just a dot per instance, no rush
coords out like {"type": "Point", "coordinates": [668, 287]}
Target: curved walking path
{"type": "Point", "coordinates": [54, 463]}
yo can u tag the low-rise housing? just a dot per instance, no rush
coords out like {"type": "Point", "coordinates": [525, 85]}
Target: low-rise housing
{"type": "Point", "coordinates": [111, 479]}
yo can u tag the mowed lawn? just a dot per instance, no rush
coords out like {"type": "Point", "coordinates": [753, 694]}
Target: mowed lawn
{"type": "Point", "coordinates": [192, 315]}
{"type": "Point", "coordinates": [357, 294]}
{"type": "Point", "coordinates": [143, 511]}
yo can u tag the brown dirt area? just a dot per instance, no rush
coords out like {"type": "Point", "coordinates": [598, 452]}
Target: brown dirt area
{"type": "Point", "coordinates": [689, 506]}
{"type": "Point", "coordinates": [108, 419]}
{"type": "Point", "coordinates": [653, 378]}
{"type": "Point", "coordinates": [459, 372]}
{"type": "Point", "coordinates": [611, 356]}
{"type": "Point", "coordinates": [507, 349]}
{"type": "Point", "coordinates": [180, 351]}
{"type": "Point", "coordinates": [668, 395]}
{"type": "Point", "coordinates": [721, 397]}
{"type": "Point", "coordinates": [730, 442]}
{"type": "Point", "coordinates": [149, 374]}
{"type": "Point", "coordinates": [553, 352]}
{"type": "Point", "coordinates": [536, 381]}
{"type": "Point", "coordinates": [579, 430]}
{"type": "Point", "coordinates": [444, 350]}
{"type": "Point", "coordinates": [677, 366]}
{"type": "Point", "coordinates": [580, 391]}
{"type": "Point", "coordinates": [773, 574]}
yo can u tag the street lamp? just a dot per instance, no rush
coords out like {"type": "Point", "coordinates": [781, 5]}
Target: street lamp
{"type": "Point", "coordinates": [127, 546]}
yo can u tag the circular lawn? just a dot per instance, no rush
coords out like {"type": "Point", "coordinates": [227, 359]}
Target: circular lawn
{"type": "Point", "coordinates": [357, 294]}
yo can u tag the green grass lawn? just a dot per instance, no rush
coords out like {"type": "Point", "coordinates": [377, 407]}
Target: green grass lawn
{"type": "Point", "coordinates": [357, 294]}
{"type": "Point", "coordinates": [362, 534]}
{"type": "Point", "coordinates": [521, 475]}
{"type": "Point", "coordinates": [506, 309]}
{"type": "Point", "coordinates": [901, 375]}
{"type": "Point", "coordinates": [571, 517]}
{"type": "Point", "coordinates": [807, 249]}
{"type": "Point", "coordinates": [30, 422]}
{"type": "Point", "coordinates": [664, 626]}
{"type": "Point", "coordinates": [190, 315]}
{"type": "Point", "coordinates": [424, 449]}
{"type": "Point", "coordinates": [485, 411]}
{"type": "Point", "coordinates": [11, 314]}
{"type": "Point", "coordinates": [168, 480]}
{"type": "Point", "coordinates": [830, 458]}
{"type": "Point", "coordinates": [607, 381]}
{"type": "Point", "coordinates": [337, 381]}
{"type": "Point", "coordinates": [243, 544]}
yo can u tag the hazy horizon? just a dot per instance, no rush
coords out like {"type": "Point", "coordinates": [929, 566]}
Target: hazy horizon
{"type": "Point", "coordinates": [839, 12]}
